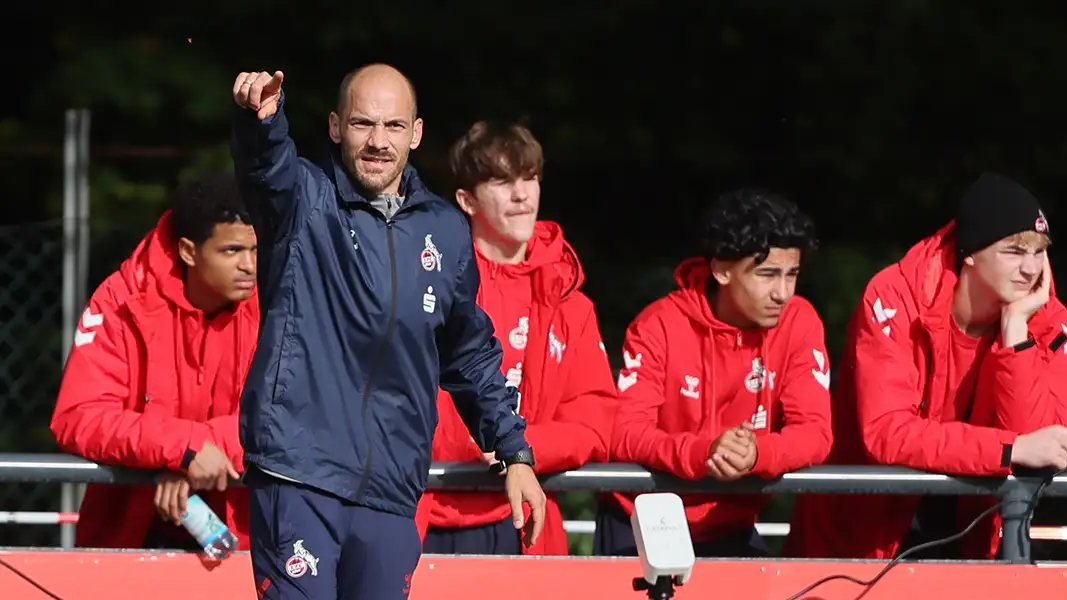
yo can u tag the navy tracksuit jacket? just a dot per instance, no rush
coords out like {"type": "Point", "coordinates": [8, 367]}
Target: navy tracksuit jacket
{"type": "Point", "coordinates": [363, 317]}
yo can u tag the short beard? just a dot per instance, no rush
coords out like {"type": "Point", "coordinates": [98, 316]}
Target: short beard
{"type": "Point", "coordinates": [373, 184]}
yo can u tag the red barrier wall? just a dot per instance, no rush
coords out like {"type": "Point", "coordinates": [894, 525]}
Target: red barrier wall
{"type": "Point", "coordinates": [80, 575]}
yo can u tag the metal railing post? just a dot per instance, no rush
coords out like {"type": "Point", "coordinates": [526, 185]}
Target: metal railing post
{"type": "Point", "coordinates": [1018, 500]}
{"type": "Point", "coordinates": [75, 257]}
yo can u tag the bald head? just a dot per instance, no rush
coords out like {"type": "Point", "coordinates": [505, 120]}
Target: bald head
{"type": "Point", "coordinates": [376, 126]}
{"type": "Point", "coordinates": [375, 79]}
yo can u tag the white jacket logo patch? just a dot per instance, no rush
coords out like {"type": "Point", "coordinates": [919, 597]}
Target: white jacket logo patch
{"type": "Point", "coordinates": [822, 374]}
{"type": "Point", "coordinates": [882, 315]}
{"type": "Point", "coordinates": [89, 322]}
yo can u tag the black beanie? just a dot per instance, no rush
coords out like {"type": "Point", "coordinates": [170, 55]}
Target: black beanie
{"type": "Point", "coordinates": [993, 208]}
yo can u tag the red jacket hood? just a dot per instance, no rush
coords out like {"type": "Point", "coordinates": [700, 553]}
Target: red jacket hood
{"type": "Point", "coordinates": [929, 268]}
{"type": "Point", "coordinates": [708, 376]}
{"type": "Point", "coordinates": [893, 410]}
{"type": "Point", "coordinates": [158, 348]}
{"type": "Point", "coordinates": [155, 266]}
{"type": "Point", "coordinates": [542, 290]}
{"type": "Point", "coordinates": [547, 249]}
{"type": "Point", "coordinates": [691, 296]}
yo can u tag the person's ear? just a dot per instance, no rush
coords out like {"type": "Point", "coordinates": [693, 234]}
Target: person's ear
{"type": "Point", "coordinates": [416, 137]}
{"type": "Point", "coordinates": [187, 252]}
{"type": "Point", "coordinates": [335, 128]}
{"type": "Point", "coordinates": [720, 270]}
{"type": "Point", "coordinates": [466, 202]}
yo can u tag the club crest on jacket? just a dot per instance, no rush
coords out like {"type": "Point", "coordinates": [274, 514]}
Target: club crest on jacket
{"type": "Point", "coordinates": [431, 256]}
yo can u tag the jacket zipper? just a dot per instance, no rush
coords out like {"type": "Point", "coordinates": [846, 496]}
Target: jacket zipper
{"type": "Point", "coordinates": [367, 462]}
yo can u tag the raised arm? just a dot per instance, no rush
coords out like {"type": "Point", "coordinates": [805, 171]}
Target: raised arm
{"type": "Point", "coordinates": [264, 156]}
{"type": "Point", "coordinates": [1022, 388]}
{"type": "Point", "coordinates": [889, 401]}
{"type": "Point", "coordinates": [1022, 383]}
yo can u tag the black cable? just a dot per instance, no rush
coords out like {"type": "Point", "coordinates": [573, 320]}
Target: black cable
{"type": "Point", "coordinates": [931, 544]}
{"type": "Point", "coordinates": [29, 580]}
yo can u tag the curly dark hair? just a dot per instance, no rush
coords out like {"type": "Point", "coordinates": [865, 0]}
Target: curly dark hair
{"type": "Point", "coordinates": [751, 221]}
{"type": "Point", "coordinates": [201, 204]}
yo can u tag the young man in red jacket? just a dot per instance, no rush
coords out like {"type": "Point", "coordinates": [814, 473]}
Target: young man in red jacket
{"type": "Point", "coordinates": [155, 374]}
{"type": "Point", "coordinates": [954, 363]}
{"type": "Point", "coordinates": [726, 376]}
{"type": "Point", "coordinates": [530, 280]}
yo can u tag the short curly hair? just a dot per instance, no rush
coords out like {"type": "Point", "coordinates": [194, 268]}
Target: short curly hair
{"type": "Point", "coordinates": [751, 221]}
{"type": "Point", "coordinates": [199, 205]}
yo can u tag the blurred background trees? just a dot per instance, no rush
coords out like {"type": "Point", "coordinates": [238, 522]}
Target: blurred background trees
{"type": "Point", "coordinates": [873, 116]}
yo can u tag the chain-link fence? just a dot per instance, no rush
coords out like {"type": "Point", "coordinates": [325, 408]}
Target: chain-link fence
{"type": "Point", "coordinates": [31, 363]}
{"type": "Point", "coordinates": [32, 349]}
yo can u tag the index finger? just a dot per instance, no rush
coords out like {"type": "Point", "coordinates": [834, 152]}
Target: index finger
{"type": "Point", "coordinates": [515, 500]}
{"type": "Point", "coordinates": [739, 447]}
{"type": "Point", "coordinates": [183, 497]}
{"type": "Point", "coordinates": [537, 515]}
{"type": "Point", "coordinates": [713, 469]}
{"type": "Point", "coordinates": [1059, 434]}
{"type": "Point", "coordinates": [728, 470]}
{"type": "Point", "coordinates": [735, 460]}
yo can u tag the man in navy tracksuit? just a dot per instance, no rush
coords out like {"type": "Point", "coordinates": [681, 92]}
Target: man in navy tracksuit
{"type": "Point", "coordinates": [368, 285]}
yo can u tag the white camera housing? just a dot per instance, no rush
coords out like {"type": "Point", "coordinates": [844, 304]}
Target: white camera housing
{"type": "Point", "coordinates": [661, 531]}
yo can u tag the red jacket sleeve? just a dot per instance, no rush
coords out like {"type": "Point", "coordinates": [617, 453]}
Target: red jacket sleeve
{"type": "Point", "coordinates": [226, 434]}
{"type": "Point", "coordinates": [580, 430]}
{"type": "Point", "coordinates": [91, 418]}
{"type": "Point", "coordinates": [888, 397]}
{"type": "Point", "coordinates": [636, 436]}
{"type": "Point", "coordinates": [452, 441]}
{"type": "Point", "coordinates": [805, 436]}
{"type": "Point", "coordinates": [1025, 390]}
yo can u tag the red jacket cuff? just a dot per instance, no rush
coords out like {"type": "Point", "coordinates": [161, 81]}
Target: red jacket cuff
{"type": "Point", "coordinates": [697, 463]}
{"type": "Point", "coordinates": [765, 459]}
{"type": "Point", "coordinates": [1002, 456]}
{"type": "Point", "coordinates": [199, 433]}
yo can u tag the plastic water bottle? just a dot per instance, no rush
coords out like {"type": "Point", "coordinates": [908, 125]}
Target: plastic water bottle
{"type": "Point", "coordinates": [209, 531]}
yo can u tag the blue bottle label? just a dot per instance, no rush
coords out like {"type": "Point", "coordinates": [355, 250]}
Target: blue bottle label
{"type": "Point", "coordinates": [202, 522]}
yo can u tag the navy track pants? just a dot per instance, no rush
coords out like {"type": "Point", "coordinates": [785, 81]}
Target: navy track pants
{"type": "Point", "coordinates": [307, 544]}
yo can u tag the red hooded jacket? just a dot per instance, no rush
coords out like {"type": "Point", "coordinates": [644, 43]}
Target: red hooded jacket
{"type": "Point", "coordinates": [897, 403]}
{"type": "Point", "coordinates": [687, 377]}
{"type": "Point", "coordinates": [148, 378]}
{"type": "Point", "coordinates": [554, 353]}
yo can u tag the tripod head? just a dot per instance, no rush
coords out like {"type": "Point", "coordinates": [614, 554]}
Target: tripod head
{"type": "Point", "coordinates": [663, 589]}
